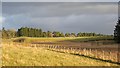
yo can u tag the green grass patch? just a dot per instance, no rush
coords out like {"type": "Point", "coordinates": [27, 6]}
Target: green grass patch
{"type": "Point", "coordinates": [58, 39]}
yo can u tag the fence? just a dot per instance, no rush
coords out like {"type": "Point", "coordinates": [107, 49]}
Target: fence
{"type": "Point", "coordinates": [97, 53]}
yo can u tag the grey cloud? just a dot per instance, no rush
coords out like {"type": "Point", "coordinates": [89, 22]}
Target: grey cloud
{"type": "Point", "coordinates": [98, 23]}
{"type": "Point", "coordinates": [59, 9]}
{"type": "Point", "coordinates": [82, 23]}
{"type": "Point", "coordinates": [60, 0]}
{"type": "Point", "coordinates": [0, 9]}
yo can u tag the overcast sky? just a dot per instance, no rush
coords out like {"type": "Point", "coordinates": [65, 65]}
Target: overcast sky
{"type": "Point", "coordinates": [99, 17]}
{"type": "Point", "coordinates": [60, 0]}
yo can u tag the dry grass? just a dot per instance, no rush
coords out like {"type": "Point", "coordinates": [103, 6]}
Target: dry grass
{"type": "Point", "coordinates": [14, 55]}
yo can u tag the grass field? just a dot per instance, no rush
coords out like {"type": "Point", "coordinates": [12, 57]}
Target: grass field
{"type": "Point", "coordinates": [14, 55]}
{"type": "Point", "coordinates": [22, 55]}
{"type": "Point", "coordinates": [59, 39]}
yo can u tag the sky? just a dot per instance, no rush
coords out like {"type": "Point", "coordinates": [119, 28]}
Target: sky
{"type": "Point", "coordinates": [60, 0]}
{"type": "Point", "coordinates": [0, 15]}
{"type": "Point", "coordinates": [99, 17]}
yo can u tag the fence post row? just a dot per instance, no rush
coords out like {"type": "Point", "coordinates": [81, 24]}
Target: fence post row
{"type": "Point", "coordinates": [82, 51]}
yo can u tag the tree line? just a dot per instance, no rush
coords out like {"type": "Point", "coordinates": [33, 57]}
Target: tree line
{"type": "Point", "coordinates": [34, 32]}
{"type": "Point", "coordinates": [10, 33]}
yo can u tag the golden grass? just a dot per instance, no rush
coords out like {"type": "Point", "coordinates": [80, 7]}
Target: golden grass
{"type": "Point", "coordinates": [15, 55]}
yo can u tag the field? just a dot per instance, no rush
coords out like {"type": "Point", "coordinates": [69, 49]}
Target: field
{"type": "Point", "coordinates": [59, 51]}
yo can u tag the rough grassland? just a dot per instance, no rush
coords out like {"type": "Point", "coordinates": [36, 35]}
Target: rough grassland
{"type": "Point", "coordinates": [14, 55]}
{"type": "Point", "coordinates": [57, 39]}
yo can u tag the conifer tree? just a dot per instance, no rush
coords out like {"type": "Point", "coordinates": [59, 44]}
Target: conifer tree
{"type": "Point", "coordinates": [117, 32]}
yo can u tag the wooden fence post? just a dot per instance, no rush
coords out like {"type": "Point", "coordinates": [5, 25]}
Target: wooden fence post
{"type": "Point", "coordinates": [118, 55]}
{"type": "Point", "coordinates": [96, 53]}
{"type": "Point", "coordinates": [103, 54]}
{"type": "Point", "coordinates": [90, 52]}
{"type": "Point", "coordinates": [58, 48]}
{"type": "Point", "coordinates": [53, 47]}
{"type": "Point", "coordinates": [117, 58]}
{"type": "Point", "coordinates": [110, 55]}
{"type": "Point", "coordinates": [77, 51]}
{"type": "Point", "coordinates": [35, 46]}
{"type": "Point", "coordinates": [68, 50]}
{"type": "Point", "coordinates": [50, 46]}
{"type": "Point", "coordinates": [63, 49]}
{"type": "Point", "coordinates": [84, 51]}
{"type": "Point", "coordinates": [80, 51]}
